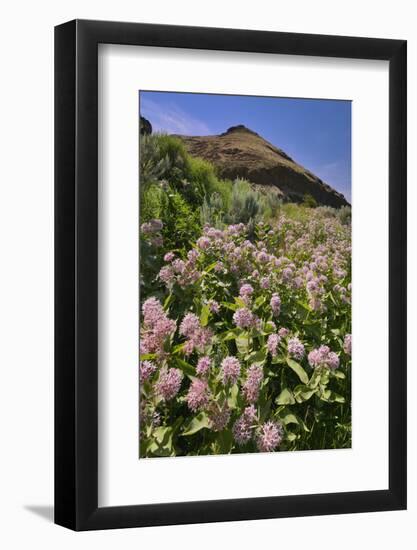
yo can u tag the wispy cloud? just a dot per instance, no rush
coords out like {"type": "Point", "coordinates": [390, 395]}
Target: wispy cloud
{"type": "Point", "coordinates": [172, 119]}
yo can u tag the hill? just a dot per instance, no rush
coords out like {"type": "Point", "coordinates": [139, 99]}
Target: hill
{"type": "Point", "coordinates": [242, 153]}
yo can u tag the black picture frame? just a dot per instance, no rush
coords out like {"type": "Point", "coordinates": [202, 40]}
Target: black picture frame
{"type": "Point", "coordinates": [76, 271]}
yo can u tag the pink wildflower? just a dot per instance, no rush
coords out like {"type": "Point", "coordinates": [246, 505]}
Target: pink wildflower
{"type": "Point", "coordinates": [230, 369]}
{"type": "Point", "coordinates": [253, 382]}
{"type": "Point", "coordinates": [347, 344]}
{"type": "Point", "coordinates": [198, 395]}
{"type": "Point", "coordinates": [153, 226]}
{"type": "Point", "coordinates": [243, 318]}
{"type": "Point", "coordinates": [296, 348]}
{"type": "Point", "coordinates": [189, 324]}
{"type": "Point", "coordinates": [273, 343]}
{"type": "Point", "coordinates": [146, 370]}
{"type": "Point", "coordinates": [265, 282]}
{"type": "Point", "coordinates": [219, 417]}
{"type": "Point", "coordinates": [157, 327]}
{"type": "Point", "coordinates": [166, 275]}
{"type": "Point", "coordinates": [246, 291]}
{"type": "Point", "coordinates": [203, 365]}
{"type": "Point", "coordinates": [169, 383]}
{"type": "Point", "coordinates": [214, 306]}
{"type": "Point", "coordinates": [275, 304]}
{"type": "Point", "coordinates": [244, 426]}
{"type": "Point", "coordinates": [169, 256]}
{"type": "Point", "coordinates": [283, 332]}
{"type": "Point", "coordinates": [269, 436]}
{"type": "Point", "coordinates": [323, 357]}
{"type": "Point", "coordinates": [203, 243]}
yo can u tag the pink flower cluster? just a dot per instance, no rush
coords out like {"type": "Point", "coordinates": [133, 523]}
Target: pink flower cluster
{"type": "Point", "coordinates": [230, 370]}
{"type": "Point", "coordinates": [245, 292]}
{"type": "Point", "coordinates": [244, 318]}
{"type": "Point", "coordinates": [219, 417]}
{"type": "Point", "coordinates": [146, 370]}
{"type": "Point", "coordinates": [243, 428]}
{"type": "Point", "coordinates": [347, 344]}
{"type": "Point", "coordinates": [203, 366]}
{"type": "Point", "coordinates": [182, 272]}
{"type": "Point", "coordinates": [273, 343]}
{"type": "Point", "coordinates": [157, 327]}
{"type": "Point", "coordinates": [283, 332]}
{"type": "Point", "coordinates": [269, 436]}
{"type": "Point", "coordinates": [198, 395]}
{"type": "Point", "coordinates": [151, 227]}
{"type": "Point", "coordinates": [323, 357]}
{"type": "Point", "coordinates": [275, 304]}
{"type": "Point", "coordinates": [253, 382]}
{"type": "Point", "coordinates": [214, 306]}
{"type": "Point", "coordinates": [197, 336]}
{"type": "Point", "coordinates": [271, 278]}
{"type": "Point", "coordinates": [151, 230]}
{"type": "Point", "coordinates": [296, 348]}
{"type": "Point", "coordinates": [169, 383]}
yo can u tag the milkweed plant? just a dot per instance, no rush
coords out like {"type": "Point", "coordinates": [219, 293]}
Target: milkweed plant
{"type": "Point", "coordinates": [245, 339]}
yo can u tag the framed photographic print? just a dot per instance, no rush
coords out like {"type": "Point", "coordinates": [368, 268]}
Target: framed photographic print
{"type": "Point", "coordinates": [230, 234]}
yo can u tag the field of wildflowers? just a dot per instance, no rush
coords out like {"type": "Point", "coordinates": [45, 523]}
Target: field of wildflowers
{"type": "Point", "coordinates": [245, 336]}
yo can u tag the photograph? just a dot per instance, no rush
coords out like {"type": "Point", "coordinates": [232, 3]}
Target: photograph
{"type": "Point", "coordinates": [245, 274]}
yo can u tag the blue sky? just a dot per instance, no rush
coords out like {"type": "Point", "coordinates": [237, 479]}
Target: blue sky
{"type": "Point", "coordinates": [316, 133]}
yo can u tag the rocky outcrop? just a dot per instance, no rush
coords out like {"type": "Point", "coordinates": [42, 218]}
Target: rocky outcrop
{"type": "Point", "coordinates": [145, 126]}
{"type": "Point", "coordinates": [242, 153]}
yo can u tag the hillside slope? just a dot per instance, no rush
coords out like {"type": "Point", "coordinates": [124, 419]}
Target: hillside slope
{"type": "Point", "coordinates": [240, 152]}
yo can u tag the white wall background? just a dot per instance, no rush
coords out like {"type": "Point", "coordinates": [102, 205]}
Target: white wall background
{"type": "Point", "coordinates": [26, 287]}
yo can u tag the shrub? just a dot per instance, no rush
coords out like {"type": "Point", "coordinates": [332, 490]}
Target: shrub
{"type": "Point", "coordinates": [309, 201]}
{"type": "Point", "coordinates": [245, 203]}
{"type": "Point", "coordinates": [345, 215]}
{"type": "Point", "coordinates": [326, 211]}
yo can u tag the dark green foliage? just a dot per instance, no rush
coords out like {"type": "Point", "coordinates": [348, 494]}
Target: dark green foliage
{"type": "Point", "coordinates": [309, 201]}
{"type": "Point", "coordinates": [345, 215]}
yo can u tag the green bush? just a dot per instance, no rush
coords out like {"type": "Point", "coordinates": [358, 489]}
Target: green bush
{"type": "Point", "coordinates": [245, 203]}
{"type": "Point", "coordinates": [165, 158]}
{"type": "Point", "coordinates": [309, 201]}
{"type": "Point", "coordinates": [345, 215]}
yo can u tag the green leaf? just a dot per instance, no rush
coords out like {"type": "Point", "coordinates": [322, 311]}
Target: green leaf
{"type": "Point", "coordinates": [225, 440]}
{"type": "Point", "coordinates": [291, 436]}
{"type": "Point", "coordinates": [168, 301]}
{"type": "Point", "coordinates": [256, 357]}
{"type": "Point", "coordinates": [325, 377]}
{"type": "Point", "coordinates": [232, 400]}
{"type": "Point", "coordinates": [148, 356]}
{"type": "Point", "coordinates": [260, 301]}
{"type": "Point", "coordinates": [339, 374]}
{"type": "Point", "coordinates": [178, 348]}
{"type": "Point", "coordinates": [286, 397]}
{"type": "Point", "coordinates": [315, 379]}
{"type": "Point", "coordinates": [242, 343]}
{"type": "Point", "coordinates": [210, 267]}
{"type": "Point", "coordinates": [197, 423]}
{"type": "Point", "coordinates": [290, 419]}
{"type": "Point", "coordinates": [228, 305]}
{"type": "Point", "coordinates": [204, 315]}
{"type": "Point", "coordinates": [331, 397]}
{"type": "Point", "coordinates": [298, 369]}
{"type": "Point", "coordinates": [303, 393]}
{"type": "Point", "coordinates": [185, 367]}
{"type": "Point", "coordinates": [264, 410]}
{"type": "Point", "coordinates": [162, 434]}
